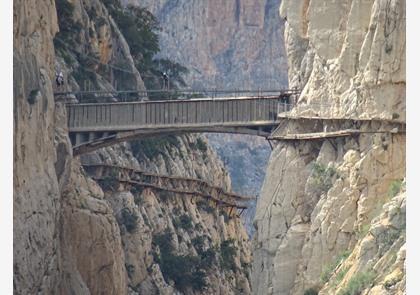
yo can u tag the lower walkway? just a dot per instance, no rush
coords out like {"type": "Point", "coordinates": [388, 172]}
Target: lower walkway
{"type": "Point", "coordinates": [108, 174]}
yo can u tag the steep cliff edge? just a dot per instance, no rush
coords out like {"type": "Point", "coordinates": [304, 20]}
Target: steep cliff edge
{"type": "Point", "coordinates": [36, 201]}
{"type": "Point", "coordinates": [330, 218]}
{"type": "Point", "coordinates": [73, 235]}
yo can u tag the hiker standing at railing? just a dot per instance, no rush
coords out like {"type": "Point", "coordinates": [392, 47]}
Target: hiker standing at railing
{"type": "Point", "coordinates": [165, 81]}
{"type": "Point", "coordinates": [59, 79]}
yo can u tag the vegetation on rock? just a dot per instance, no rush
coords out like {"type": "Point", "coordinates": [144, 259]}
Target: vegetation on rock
{"type": "Point", "coordinates": [184, 221]}
{"type": "Point", "coordinates": [358, 283]}
{"type": "Point", "coordinates": [322, 177]}
{"type": "Point", "coordinates": [395, 188]}
{"type": "Point", "coordinates": [227, 254]}
{"type": "Point", "coordinates": [184, 270]}
{"type": "Point", "coordinates": [329, 270]}
{"type": "Point", "coordinates": [128, 219]}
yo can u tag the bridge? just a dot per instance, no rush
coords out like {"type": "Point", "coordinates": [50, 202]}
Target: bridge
{"type": "Point", "coordinates": [97, 118]}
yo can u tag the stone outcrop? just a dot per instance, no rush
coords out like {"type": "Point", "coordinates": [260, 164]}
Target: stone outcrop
{"type": "Point", "coordinates": [320, 197]}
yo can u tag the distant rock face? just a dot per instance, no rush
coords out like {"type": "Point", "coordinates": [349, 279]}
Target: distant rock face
{"type": "Point", "coordinates": [246, 158]}
{"type": "Point", "coordinates": [225, 44]}
{"type": "Point", "coordinates": [321, 199]}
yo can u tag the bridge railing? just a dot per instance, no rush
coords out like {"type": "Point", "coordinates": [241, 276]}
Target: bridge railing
{"type": "Point", "coordinates": [142, 95]}
{"type": "Point", "coordinates": [175, 113]}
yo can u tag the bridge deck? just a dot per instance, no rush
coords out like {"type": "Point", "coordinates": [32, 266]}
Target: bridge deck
{"type": "Point", "coordinates": [124, 116]}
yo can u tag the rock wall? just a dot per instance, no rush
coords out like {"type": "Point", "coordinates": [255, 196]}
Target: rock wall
{"type": "Point", "coordinates": [225, 44]}
{"type": "Point", "coordinates": [324, 217]}
{"type": "Point", "coordinates": [36, 199]}
{"type": "Point", "coordinates": [159, 213]}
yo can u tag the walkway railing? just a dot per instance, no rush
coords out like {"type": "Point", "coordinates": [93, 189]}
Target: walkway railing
{"type": "Point", "coordinates": [222, 112]}
{"type": "Point", "coordinates": [174, 184]}
{"type": "Point", "coordinates": [134, 95]}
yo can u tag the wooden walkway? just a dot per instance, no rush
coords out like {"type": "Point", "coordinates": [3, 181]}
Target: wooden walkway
{"type": "Point", "coordinates": [173, 184]}
{"type": "Point", "coordinates": [305, 128]}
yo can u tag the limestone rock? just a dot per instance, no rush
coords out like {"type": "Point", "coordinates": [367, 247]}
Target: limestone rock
{"type": "Point", "coordinates": [332, 50]}
{"type": "Point", "coordinates": [225, 44]}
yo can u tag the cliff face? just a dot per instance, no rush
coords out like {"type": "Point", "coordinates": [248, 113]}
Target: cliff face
{"type": "Point", "coordinates": [36, 187]}
{"type": "Point", "coordinates": [117, 239]}
{"type": "Point", "coordinates": [330, 216]}
{"type": "Point", "coordinates": [225, 44]}
{"type": "Point", "coordinates": [72, 235]}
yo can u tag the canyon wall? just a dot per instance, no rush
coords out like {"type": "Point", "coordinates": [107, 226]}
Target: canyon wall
{"type": "Point", "coordinates": [36, 200]}
{"type": "Point", "coordinates": [75, 235]}
{"type": "Point", "coordinates": [225, 44]}
{"type": "Point", "coordinates": [331, 216]}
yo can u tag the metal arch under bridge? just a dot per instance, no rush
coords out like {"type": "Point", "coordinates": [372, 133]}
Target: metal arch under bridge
{"type": "Point", "coordinates": [97, 118]}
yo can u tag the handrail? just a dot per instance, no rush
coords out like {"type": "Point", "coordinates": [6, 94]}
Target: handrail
{"type": "Point", "coordinates": [165, 95]}
{"type": "Point", "coordinates": [176, 178]}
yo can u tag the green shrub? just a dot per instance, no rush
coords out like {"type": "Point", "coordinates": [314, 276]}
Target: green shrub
{"type": "Point", "coordinates": [129, 219]}
{"type": "Point", "coordinates": [164, 195]}
{"type": "Point", "coordinates": [311, 291]}
{"type": "Point", "coordinates": [198, 243]}
{"type": "Point", "coordinates": [322, 177]}
{"type": "Point", "coordinates": [184, 221]}
{"type": "Point", "coordinates": [340, 276]}
{"type": "Point", "coordinates": [184, 270]}
{"type": "Point", "coordinates": [395, 188]}
{"type": "Point", "coordinates": [136, 191]}
{"type": "Point", "coordinates": [109, 183]}
{"type": "Point", "coordinates": [164, 241]}
{"type": "Point", "coordinates": [227, 255]}
{"type": "Point", "coordinates": [207, 258]}
{"type": "Point", "coordinates": [65, 11]}
{"type": "Point", "coordinates": [199, 144]}
{"type": "Point", "coordinates": [363, 231]}
{"type": "Point", "coordinates": [205, 206]}
{"type": "Point", "coordinates": [329, 270]}
{"type": "Point", "coordinates": [152, 147]}
{"type": "Point", "coordinates": [358, 283]}
{"type": "Point", "coordinates": [140, 28]}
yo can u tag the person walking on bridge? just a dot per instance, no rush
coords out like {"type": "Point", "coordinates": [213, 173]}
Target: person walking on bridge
{"type": "Point", "coordinates": [165, 81]}
{"type": "Point", "coordinates": [59, 79]}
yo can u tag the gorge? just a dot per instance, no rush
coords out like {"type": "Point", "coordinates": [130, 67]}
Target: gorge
{"type": "Point", "coordinates": [330, 216]}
